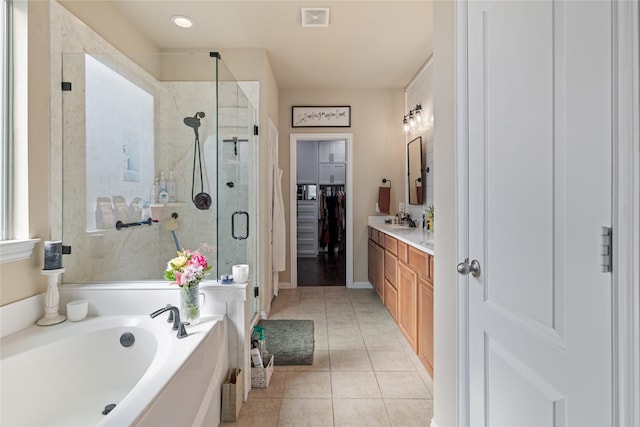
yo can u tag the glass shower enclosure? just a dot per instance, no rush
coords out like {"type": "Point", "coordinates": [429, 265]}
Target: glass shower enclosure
{"type": "Point", "coordinates": [159, 155]}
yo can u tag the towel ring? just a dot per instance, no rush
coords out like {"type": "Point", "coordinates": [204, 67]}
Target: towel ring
{"type": "Point", "coordinates": [385, 180]}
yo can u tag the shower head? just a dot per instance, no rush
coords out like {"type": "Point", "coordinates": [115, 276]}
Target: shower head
{"type": "Point", "coordinates": [194, 122]}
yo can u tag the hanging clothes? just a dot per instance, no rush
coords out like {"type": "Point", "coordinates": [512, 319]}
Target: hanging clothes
{"type": "Point", "coordinates": [331, 218]}
{"type": "Point", "coordinates": [279, 226]}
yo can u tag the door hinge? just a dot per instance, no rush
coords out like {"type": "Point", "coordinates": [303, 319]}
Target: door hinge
{"type": "Point", "coordinates": [606, 249]}
{"type": "Point", "coordinates": [255, 130]}
{"type": "Point", "coordinates": [256, 292]}
{"type": "Point", "coordinates": [66, 86]}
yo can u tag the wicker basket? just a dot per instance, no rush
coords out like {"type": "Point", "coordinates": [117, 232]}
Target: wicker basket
{"type": "Point", "coordinates": [260, 377]}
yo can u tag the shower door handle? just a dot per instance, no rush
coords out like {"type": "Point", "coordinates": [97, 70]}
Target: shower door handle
{"type": "Point", "coordinates": [233, 225]}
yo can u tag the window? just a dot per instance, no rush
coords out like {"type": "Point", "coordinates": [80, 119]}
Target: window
{"type": "Point", "coordinates": [14, 242]}
{"type": "Point", "coordinates": [5, 75]}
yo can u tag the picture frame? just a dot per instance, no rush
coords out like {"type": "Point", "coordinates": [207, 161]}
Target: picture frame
{"type": "Point", "coordinates": [317, 116]}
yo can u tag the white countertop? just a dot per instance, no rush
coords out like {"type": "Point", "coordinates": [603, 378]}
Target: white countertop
{"type": "Point", "coordinates": [414, 236]}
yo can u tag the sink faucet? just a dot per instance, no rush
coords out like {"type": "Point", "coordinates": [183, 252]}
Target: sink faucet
{"type": "Point", "coordinates": [404, 217]}
{"type": "Point", "coordinates": [177, 324]}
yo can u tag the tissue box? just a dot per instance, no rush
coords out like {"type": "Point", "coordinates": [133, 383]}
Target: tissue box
{"type": "Point", "coordinates": [260, 377]}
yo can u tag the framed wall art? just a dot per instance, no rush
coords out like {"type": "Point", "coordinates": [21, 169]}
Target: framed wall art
{"type": "Point", "coordinates": [314, 117]}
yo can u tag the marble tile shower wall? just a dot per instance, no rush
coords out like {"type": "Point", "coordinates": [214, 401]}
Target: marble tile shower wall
{"type": "Point", "coordinates": [140, 253]}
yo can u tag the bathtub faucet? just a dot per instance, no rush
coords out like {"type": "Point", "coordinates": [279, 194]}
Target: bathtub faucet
{"type": "Point", "coordinates": [177, 324]}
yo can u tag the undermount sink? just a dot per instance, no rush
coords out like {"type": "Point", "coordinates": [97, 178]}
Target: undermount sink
{"type": "Point", "coordinates": [396, 226]}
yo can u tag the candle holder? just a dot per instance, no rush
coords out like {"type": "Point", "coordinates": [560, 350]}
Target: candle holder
{"type": "Point", "coordinates": [52, 299]}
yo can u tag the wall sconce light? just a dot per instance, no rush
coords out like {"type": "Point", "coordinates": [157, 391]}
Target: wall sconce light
{"type": "Point", "coordinates": [412, 119]}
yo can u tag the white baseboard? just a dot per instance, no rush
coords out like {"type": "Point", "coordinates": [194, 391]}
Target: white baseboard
{"type": "Point", "coordinates": [355, 285]}
{"type": "Point", "coordinates": [433, 422]}
{"type": "Point", "coordinates": [285, 285]}
{"type": "Point", "coordinates": [361, 285]}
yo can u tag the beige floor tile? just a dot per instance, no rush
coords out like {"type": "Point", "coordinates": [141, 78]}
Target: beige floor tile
{"type": "Point", "coordinates": [364, 372]}
{"type": "Point", "coordinates": [360, 413]}
{"type": "Point", "coordinates": [287, 299]}
{"type": "Point", "coordinates": [355, 385]}
{"type": "Point", "coordinates": [305, 413]}
{"type": "Point", "coordinates": [311, 290]}
{"type": "Point", "coordinates": [276, 386]}
{"type": "Point", "coordinates": [320, 362]}
{"type": "Point", "coordinates": [314, 311]}
{"type": "Point", "coordinates": [343, 327]}
{"type": "Point", "coordinates": [402, 385]}
{"type": "Point", "coordinates": [339, 341]}
{"type": "Point", "coordinates": [320, 341]}
{"type": "Point", "coordinates": [391, 361]}
{"type": "Point", "coordinates": [307, 385]}
{"type": "Point", "coordinates": [409, 412]}
{"type": "Point", "coordinates": [382, 342]}
{"type": "Point", "coordinates": [339, 307]}
{"type": "Point", "coordinates": [257, 412]}
{"type": "Point", "coordinates": [349, 360]}
{"type": "Point", "coordinates": [286, 313]}
{"type": "Point", "coordinates": [319, 324]}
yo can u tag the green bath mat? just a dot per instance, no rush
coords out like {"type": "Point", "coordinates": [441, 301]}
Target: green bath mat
{"type": "Point", "coordinates": [290, 341]}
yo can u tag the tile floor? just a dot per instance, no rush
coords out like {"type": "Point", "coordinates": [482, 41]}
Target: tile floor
{"type": "Point", "coordinates": [364, 372]}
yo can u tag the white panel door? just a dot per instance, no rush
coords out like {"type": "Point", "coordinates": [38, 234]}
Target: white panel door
{"type": "Point", "coordinates": [539, 81]}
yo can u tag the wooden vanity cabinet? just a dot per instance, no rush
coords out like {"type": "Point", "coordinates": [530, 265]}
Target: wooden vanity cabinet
{"type": "Point", "coordinates": [390, 268]}
{"type": "Point", "coordinates": [375, 268]}
{"type": "Point", "coordinates": [391, 275]}
{"type": "Point", "coordinates": [408, 304]}
{"type": "Point", "coordinates": [379, 271]}
{"type": "Point", "coordinates": [391, 299]}
{"type": "Point", "coordinates": [403, 252]}
{"type": "Point", "coordinates": [402, 275]}
{"type": "Point", "coordinates": [425, 323]}
{"type": "Point", "coordinates": [371, 257]}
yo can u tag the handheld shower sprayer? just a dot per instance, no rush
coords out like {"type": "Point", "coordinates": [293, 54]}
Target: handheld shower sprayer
{"type": "Point", "coordinates": [194, 122]}
{"type": "Point", "coordinates": [201, 200]}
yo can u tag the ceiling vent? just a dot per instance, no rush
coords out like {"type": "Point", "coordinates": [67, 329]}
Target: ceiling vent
{"type": "Point", "coordinates": [315, 16]}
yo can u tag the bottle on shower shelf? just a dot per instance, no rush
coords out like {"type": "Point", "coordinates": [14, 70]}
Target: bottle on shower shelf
{"type": "Point", "coordinates": [155, 191]}
{"type": "Point", "coordinates": [163, 196]}
{"type": "Point", "coordinates": [171, 188]}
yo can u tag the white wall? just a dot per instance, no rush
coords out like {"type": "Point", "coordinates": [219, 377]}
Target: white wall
{"type": "Point", "coordinates": [445, 235]}
{"type": "Point", "coordinates": [420, 92]}
{"type": "Point", "coordinates": [378, 152]}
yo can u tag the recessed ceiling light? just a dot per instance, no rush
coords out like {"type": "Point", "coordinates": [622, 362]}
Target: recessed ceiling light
{"type": "Point", "coordinates": [182, 21]}
{"type": "Point", "coordinates": [315, 16]}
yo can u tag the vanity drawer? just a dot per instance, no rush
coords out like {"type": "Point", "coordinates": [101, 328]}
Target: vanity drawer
{"type": "Point", "coordinates": [419, 261]}
{"type": "Point", "coordinates": [374, 235]}
{"type": "Point", "coordinates": [390, 267]}
{"type": "Point", "coordinates": [403, 254]}
{"type": "Point", "coordinates": [391, 244]}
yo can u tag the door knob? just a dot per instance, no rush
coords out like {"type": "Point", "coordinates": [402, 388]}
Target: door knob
{"type": "Point", "coordinates": [465, 268]}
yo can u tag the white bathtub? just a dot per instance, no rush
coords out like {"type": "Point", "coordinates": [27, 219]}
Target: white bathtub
{"type": "Point", "coordinates": [65, 375]}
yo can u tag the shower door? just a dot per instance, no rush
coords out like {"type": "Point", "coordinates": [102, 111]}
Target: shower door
{"type": "Point", "coordinates": [236, 181]}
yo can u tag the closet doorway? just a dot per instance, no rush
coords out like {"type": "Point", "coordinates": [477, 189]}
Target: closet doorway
{"type": "Point", "coordinates": [321, 211]}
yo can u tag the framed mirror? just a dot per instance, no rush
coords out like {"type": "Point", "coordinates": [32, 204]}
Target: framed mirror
{"type": "Point", "coordinates": [416, 177]}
